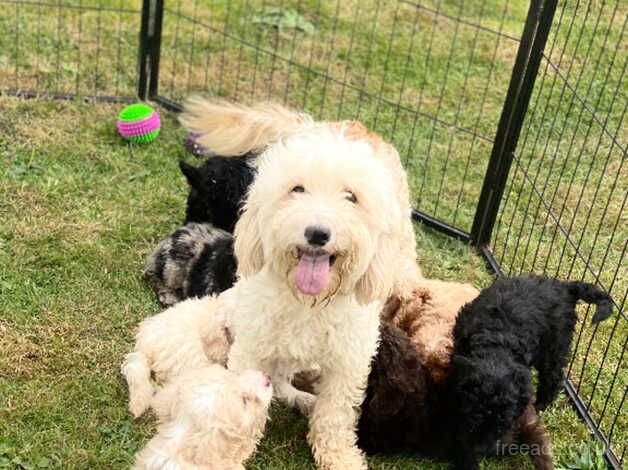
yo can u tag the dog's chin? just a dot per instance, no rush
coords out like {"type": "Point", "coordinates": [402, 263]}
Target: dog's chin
{"type": "Point", "coordinates": [312, 292]}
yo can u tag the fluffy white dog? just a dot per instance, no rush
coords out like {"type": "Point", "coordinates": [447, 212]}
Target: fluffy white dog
{"type": "Point", "coordinates": [189, 335]}
{"type": "Point", "coordinates": [209, 419]}
{"type": "Point", "coordinates": [324, 238]}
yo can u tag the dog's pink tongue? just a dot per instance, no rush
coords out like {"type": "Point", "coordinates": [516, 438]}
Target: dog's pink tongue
{"type": "Point", "coordinates": [312, 274]}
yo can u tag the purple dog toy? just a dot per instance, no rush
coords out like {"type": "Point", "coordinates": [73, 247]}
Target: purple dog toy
{"type": "Point", "coordinates": [192, 146]}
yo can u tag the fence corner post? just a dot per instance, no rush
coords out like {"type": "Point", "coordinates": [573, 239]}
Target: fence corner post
{"type": "Point", "coordinates": [149, 48]}
{"type": "Point", "coordinates": [524, 72]}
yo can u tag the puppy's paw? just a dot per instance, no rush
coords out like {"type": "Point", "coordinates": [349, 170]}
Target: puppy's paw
{"type": "Point", "coordinates": [350, 458]}
{"type": "Point", "coordinates": [138, 407]}
{"type": "Point", "coordinates": [140, 400]}
{"type": "Point", "coordinates": [305, 403]}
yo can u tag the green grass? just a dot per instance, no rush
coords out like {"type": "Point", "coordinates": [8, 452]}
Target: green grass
{"type": "Point", "coordinates": [590, 458]}
{"type": "Point", "coordinates": [79, 210]}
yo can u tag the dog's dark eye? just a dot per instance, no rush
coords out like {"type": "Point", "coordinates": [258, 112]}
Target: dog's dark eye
{"type": "Point", "coordinates": [351, 197]}
{"type": "Point", "coordinates": [298, 189]}
{"type": "Point", "coordinates": [245, 400]}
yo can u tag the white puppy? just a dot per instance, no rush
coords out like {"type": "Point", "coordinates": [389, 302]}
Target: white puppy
{"type": "Point", "coordinates": [189, 335]}
{"type": "Point", "coordinates": [209, 418]}
{"type": "Point", "coordinates": [316, 246]}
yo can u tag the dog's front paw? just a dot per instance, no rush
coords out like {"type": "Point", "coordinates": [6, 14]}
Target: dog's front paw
{"type": "Point", "coordinates": [140, 400]}
{"type": "Point", "coordinates": [350, 458]}
{"type": "Point", "coordinates": [305, 403]}
{"type": "Point", "coordinates": [138, 407]}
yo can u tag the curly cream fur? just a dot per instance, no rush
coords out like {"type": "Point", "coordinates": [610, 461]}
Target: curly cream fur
{"type": "Point", "coordinates": [428, 317]}
{"type": "Point", "coordinates": [189, 335]}
{"type": "Point", "coordinates": [209, 418]}
{"type": "Point", "coordinates": [232, 129]}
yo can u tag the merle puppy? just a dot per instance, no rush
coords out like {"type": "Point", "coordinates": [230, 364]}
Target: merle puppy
{"type": "Point", "coordinates": [217, 189]}
{"type": "Point", "coordinates": [513, 325]}
{"type": "Point", "coordinates": [405, 409]}
{"type": "Point", "coordinates": [196, 260]}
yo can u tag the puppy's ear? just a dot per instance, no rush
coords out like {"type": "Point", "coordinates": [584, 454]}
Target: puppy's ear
{"type": "Point", "coordinates": [191, 173]}
{"type": "Point", "coordinates": [377, 281]}
{"type": "Point", "coordinates": [248, 242]}
{"type": "Point", "coordinates": [385, 404]}
{"type": "Point", "coordinates": [202, 407]}
{"type": "Point", "coordinates": [166, 403]}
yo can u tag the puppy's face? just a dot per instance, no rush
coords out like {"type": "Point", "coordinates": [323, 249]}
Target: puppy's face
{"type": "Point", "coordinates": [240, 402]}
{"type": "Point", "coordinates": [217, 188]}
{"type": "Point", "coordinates": [318, 212]}
{"type": "Point", "coordinates": [219, 414]}
{"type": "Point", "coordinates": [492, 392]}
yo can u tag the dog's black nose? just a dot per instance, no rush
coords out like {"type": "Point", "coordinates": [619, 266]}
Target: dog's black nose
{"type": "Point", "coordinates": [317, 235]}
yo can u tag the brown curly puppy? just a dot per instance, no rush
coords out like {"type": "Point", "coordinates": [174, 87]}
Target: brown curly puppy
{"type": "Point", "coordinates": [405, 410]}
{"type": "Point", "coordinates": [428, 317]}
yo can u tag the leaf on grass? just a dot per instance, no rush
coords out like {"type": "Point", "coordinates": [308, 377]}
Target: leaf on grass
{"type": "Point", "coordinates": [139, 175]}
{"type": "Point", "coordinates": [26, 168]}
{"type": "Point", "coordinates": [44, 463]}
{"type": "Point", "coordinates": [284, 19]}
{"type": "Point", "coordinates": [590, 458]}
{"type": "Point", "coordinates": [4, 448]}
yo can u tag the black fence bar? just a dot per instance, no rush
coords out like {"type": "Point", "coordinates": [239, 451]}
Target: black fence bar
{"type": "Point", "coordinates": [168, 104]}
{"type": "Point", "coordinates": [143, 70]}
{"type": "Point", "coordinates": [150, 48]}
{"type": "Point", "coordinates": [491, 262]}
{"type": "Point", "coordinates": [440, 226]}
{"type": "Point", "coordinates": [66, 96]}
{"type": "Point", "coordinates": [535, 34]}
{"type": "Point", "coordinates": [155, 46]}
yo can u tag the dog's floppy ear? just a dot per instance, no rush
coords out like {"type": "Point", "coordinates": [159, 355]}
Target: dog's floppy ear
{"type": "Point", "coordinates": [377, 281]}
{"type": "Point", "coordinates": [248, 242]}
{"type": "Point", "coordinates": [191, 173]}
{"type": "Point", "coordinates": [385, 404]}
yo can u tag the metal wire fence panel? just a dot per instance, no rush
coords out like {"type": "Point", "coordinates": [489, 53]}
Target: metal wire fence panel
{"type": "Point", "coordinates": [79, 47]}
{"type": "Point", "coordinates": [431, 76]}
{"type": "Point", "coordinates": [563, 208]}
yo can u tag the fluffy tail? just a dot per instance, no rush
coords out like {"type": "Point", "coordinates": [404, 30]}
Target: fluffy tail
{"type": "Point", "coordinates": [229, 129]}
{"type": "Point", "coordinates": [136, 371]}
{"type": "Point", "coordinates": [591, 294]}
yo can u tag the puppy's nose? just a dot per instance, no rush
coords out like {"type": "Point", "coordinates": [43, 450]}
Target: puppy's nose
{"type": "Point", "coordinates": [266, 380]}
{"type": "Point", "coordinates": [317, 235]}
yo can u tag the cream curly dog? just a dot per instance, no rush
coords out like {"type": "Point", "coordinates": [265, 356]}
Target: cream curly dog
{"type": "Point", "coordinates": [209, 419]}
{"type": "Point", "coordinates": [320, 245]}
{"type": "Point", "coordinates": [188, 335]}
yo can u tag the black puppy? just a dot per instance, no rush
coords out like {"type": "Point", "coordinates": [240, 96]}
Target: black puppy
{"type": "Point", "coordinates": [196, 260]}
{"type": "Point", "coordinates": [217, 189]}
{"type": "Point", "coordinates": [406, 410]}
{"type": "Point", "coordinates": [513, 325]}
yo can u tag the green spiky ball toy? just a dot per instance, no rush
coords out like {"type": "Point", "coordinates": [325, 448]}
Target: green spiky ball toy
{"type": "Point", "coordinates": [139, 123]}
